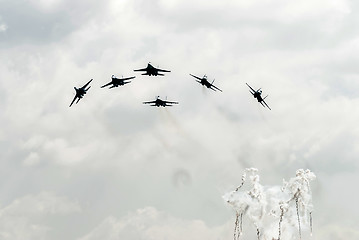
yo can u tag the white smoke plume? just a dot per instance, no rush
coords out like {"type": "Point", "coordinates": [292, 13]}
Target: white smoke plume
{"type": "Point", "coordinates": [276, 212]}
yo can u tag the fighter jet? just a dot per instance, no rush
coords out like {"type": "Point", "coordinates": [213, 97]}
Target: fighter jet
{"type": "Point", "coordinates": [117, 82]}
{"type": "Point", "coordinates": [152, 71]}
{"type": "Point", "coordinates": [80, 92]}
{"type": "Point", "coordinates": [205, 82]}
{"type": "Point", "coordinates": [160, 103]}
{"type": "Point", "coordinates": [258, 95]}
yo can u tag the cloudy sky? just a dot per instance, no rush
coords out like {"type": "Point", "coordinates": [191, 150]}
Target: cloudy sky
{"type": "Point", "coordinates": [113, 168]}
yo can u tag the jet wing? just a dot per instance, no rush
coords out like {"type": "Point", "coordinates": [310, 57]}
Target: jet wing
{"type": "Point", "coordinates": [87, 84]}
{"type": "Point", "coordinates": [107, 84]}
{"type": "Point", "coordinates": [161, 70]}
{"type": "Point", "coordinates": [195, 77]}
{"type": "Point", "coordinates": [170, 102]}
{"type": "Point", "coordinates": [73, 100]}
{"type": "Point", "coordinates": [142, 69]}
{"type": "Point", "coordinates": [251, 88]}
{"type": "Point", "coordinates": [128, 78]}
{"type": "Point", "coordinates": [150, 102]}
{"type": "Point", "coordinates": [266, 104]}
{"type": "Point", "coordinates": [216, 88]}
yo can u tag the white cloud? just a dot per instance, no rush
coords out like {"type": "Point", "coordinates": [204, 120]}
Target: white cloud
{"type": "Point", "coordinates": [47, 5]}
{"type": "Point", "coordinates": [112, 143]}
{"type": "Point", "coordinates": [335, 232]}
{"type": "Point", "coordinates": [3, 27]}
{"type": "Point", "coordinates": [24, 217]}
{"type": "Point", "coordinates": [150, 224]}
{"type": "Point", "coordinates": [44, 203]}
{"type": "Point", "coordinates": [32, 159]}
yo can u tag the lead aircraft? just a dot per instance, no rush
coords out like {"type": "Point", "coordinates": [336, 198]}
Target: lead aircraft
{"type": "Point", "coordinates": [152, 71]}
{"type": "Point", "coordinates": [160, 103]}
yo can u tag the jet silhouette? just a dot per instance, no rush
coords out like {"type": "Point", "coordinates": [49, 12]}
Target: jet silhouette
{"type": "Point", "coordinates": [80, 92]}
{"type": "Point", "coordinates": [258, 95]}
{"type": "Point", "coordinates": [160, 103]}
{"type": "Point", "coordinates": [151, 70]}
{"type": "Point", "coordinates": [117, 81]}
{"type": "Point", "coordinates": [205, 82]}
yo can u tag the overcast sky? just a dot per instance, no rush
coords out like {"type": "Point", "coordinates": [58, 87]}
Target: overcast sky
{"type": "Point", "coordinates": [113, 168]}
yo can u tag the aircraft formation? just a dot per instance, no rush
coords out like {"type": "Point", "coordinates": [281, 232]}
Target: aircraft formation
{"type": "Point", "coordinates": [158, 102]}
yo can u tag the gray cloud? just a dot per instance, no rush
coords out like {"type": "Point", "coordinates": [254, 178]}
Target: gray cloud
{"type": "Point", "coordinates": [115, 155]}
{"type": "Point", "coordinates": [39, 22]}
{"type": "Point", "coordinates": [27, 217]}
{"type": "Point", "coordinates": [149, 223]}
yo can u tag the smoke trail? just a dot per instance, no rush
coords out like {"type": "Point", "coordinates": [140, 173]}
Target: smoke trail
{"type": "Point", "coordinates": [237, 231]}
{"type": "Point", "coordinates": [260, 204]}
{"type": "Point", "coordinates": [280, 221]}
{"type": "Point", "coordinates": [243, 180]}
{"type": "Point", "coordinates": [311, 224]}
{"type": "Point", "coordinates": [296, 206]}
{"type": "Point", "coordinates": [241, 224]}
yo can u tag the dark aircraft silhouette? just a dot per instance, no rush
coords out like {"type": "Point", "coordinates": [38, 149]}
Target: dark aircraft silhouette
{"type": "Point", "coordinates": [80, 92]}
{"type": "Point", "coordinates": [160, 103]}
{"type": "Point", "coordinates": [258, 95]}
{"type": "Point", "coordinates": [117, 82]}
{"type": "Point", "coordinates": [152, 71]}
{"type": "Point", "coordinates": [205, 82]}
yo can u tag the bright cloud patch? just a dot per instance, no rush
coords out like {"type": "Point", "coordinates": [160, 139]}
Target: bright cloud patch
{"type": "Point", "coordinates": [3, 27]}
{"type": "Point", "coordinates": [149, 223]}
{"type": "Point", "coordinates": [24, 217]}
